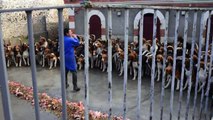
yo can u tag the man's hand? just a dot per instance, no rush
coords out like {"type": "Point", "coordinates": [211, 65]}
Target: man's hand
{"type": "Point", "coordinates": [74, 35]}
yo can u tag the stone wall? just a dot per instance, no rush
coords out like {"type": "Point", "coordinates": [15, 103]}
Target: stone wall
{"type": "Point", "coordinates": [45, 22]}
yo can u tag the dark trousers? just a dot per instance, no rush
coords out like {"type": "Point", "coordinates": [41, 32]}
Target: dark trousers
{"type": "Point", "coordinates": [74, 77]}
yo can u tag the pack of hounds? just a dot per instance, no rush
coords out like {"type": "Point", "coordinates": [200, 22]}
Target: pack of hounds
{"type": "Point", "coordinates": [47, 54]}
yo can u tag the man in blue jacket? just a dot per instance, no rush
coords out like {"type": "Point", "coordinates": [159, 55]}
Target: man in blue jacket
{"type": "Point", "coordinates": [70, 41]}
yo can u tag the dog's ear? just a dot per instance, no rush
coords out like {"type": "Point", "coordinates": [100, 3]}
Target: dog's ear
{"type": "Point", "coordinates": [49, 40]}
{"type": "Point", "coordinates": [202, 64]}
{"type": "Point", "coordinates": [81, 55]}
{"type": "Point", "coordinates": [195, 57]}
{"type": "Point", "coordinates": [43, 38]}
{"type": "Point", "coordinates": [157, 41]}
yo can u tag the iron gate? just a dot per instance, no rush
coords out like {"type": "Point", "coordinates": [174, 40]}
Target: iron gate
{"type": "Point", "coordinates": [204, 94]}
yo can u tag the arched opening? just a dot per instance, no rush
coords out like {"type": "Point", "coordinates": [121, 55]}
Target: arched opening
{"type": "Point", "coordinates": [148, 27]}
{"type": "Point", "coordinates": [95, 26]}
{"type": "Point", "coordinates": [160, 24]}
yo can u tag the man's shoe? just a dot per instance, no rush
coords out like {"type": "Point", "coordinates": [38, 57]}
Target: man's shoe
{"type": "Point", "coordinates": [77, 89]}
{"type": "Point", "coordinates": [67, 85]}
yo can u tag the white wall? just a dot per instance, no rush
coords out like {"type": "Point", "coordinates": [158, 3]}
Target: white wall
{"type": "Point", "coordinates": [15, 24]}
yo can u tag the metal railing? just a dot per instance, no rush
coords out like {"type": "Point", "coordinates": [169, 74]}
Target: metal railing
{"type": "Point", "coordinates": [4, 77]}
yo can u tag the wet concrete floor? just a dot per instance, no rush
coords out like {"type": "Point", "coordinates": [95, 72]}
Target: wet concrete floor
{"type": "Point", "coordinates": [22, 110]}
{"type": "Point", "coordinates": [49, 81]}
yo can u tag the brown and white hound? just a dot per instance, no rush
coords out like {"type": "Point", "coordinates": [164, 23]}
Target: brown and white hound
{"type": "Point", "coordinates": [80, 61]}
{"type": "Point", "coordinates": [17, 55]}
{"type": "Point", "coordinates": [25, 54]}
{"type": "Point", "coordinates": [159, 65]}
{"type": "Point", "coordinates": [9, 53]}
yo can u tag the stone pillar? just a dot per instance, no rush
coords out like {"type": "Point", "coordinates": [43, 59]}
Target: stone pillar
{"type": "Point", "coordinates": [72, 19]}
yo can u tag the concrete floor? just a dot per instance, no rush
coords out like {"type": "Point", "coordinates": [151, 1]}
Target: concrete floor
{"type": "Point", "coordinates": [22, 110]}
{"type": "Point", "coordinates": [49, 82]}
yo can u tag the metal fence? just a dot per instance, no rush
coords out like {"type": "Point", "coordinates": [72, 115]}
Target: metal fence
{"type": "Point", "coordinates": [204, 96]}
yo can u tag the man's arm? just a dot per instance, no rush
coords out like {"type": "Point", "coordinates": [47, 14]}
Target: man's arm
{"type": "Point", "coordinates": [75, 40]}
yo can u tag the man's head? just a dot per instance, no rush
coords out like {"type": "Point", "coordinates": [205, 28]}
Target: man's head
{"type": "Point", "coordinates": [67, 32]}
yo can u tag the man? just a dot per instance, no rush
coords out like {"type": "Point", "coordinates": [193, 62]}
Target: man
{"type": "Point", "coordinates": [70, 41]}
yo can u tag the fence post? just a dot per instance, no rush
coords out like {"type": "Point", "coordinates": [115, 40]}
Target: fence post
{"type": "Point", "coordinates": [164, 65]}
{"type": "Point", "coordinates": [86, 68]}
{"type": "Point", "coordinates": [4, 79]}
{"type": "Point", "coordinates": [109, 35]}
{"type": "Point", "coordinates": [153, 50]}
{"type": "Point", "coordinates": [210, 72]}
{"type": "Point", "coordinates": [174, 63]}
{"type": "Point", "coordinates": [126, 35]}
{"type": "Point", "coordinates": [62, 62]}
{"type": "Point", "coordinates": [183, 63]}
{"type": "Point", "coordinates": [140, 66]}
{"type": "Point", "coordinates": [33, 63]}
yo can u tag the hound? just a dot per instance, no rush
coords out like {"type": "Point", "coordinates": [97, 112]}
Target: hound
{"type": "Point", "coordinates": [120, 61]}
{"type": "Point", "coordinates": [53, 59]}
{"type": "Point", "coordinates": [50, 57]}
{"type": "Point", "coordinates": [169, 71]}
{"type": "Point", "coordinates": [17, 55]}
{"type": "Point", "coordinates": [159, 65]}
{"type": "Point", "coordinates": [187, 71]}
{"type": "Point", "coordinates": [25, 55]}
{"type": "Point", "coordinates": [202, 76]}
{"type": "Point", "coordinates": [80, 61]}
{"type": "Point", "coordinates": [9, 54]}
{"type": "Point", "coordinates": [98, 49]}
{"type": "Point", "coordinates": [133, 59]}
{"type": "Point", "coordinates": [104, 60]}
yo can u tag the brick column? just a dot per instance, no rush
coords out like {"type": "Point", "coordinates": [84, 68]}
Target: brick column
{"type": "Point", "coordinates": [72, 19]}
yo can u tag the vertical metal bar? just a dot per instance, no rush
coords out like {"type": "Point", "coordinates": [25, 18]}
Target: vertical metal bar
{"type": "Point", "coordinates": [86, 68]}
{"type": "Point", "coordinates": [209, 83]}
{"type": "Point", "coordinates": [153, 49]}
{"type": "Point", "coordinates": [183, 62]}
{"type": "Point", "coordinates": [209, 69]}
{"type": "Point", "coordinates": [198, 67]}
{"type": "Point", "coordinates": [207, 41]}
{"type": "Point", "coordinates": [33, 63]}
{"type": "Point", "coordinates": [109, 35]}
{"type": "Point", "coordinates": [3, 81]}
{"type": "Point", "coordinates": [140, 67]}
{"type": "Point", "coordinates": [62, 63]}
{"type": "Point", "coordinates": [174, 63]}
{"type": "Point", "coordinates": [164, 65]}
{"type": "Point", "coordinates": [191, 66]}
{"type": "Point", "coordinates": [126, 32]}
{"type": "Point", "coordinates": [198, 64]}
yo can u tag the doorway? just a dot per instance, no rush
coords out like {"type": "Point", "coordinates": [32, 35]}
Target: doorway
{"type": "Point", "coordinates": [95, 26]}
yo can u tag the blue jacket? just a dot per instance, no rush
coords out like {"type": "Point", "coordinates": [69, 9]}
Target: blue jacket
{"type": "Point", "coordinates": [69, 44]}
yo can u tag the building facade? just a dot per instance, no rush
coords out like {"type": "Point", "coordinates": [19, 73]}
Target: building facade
{"type": "Point", "coordinates": [98, 19]}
